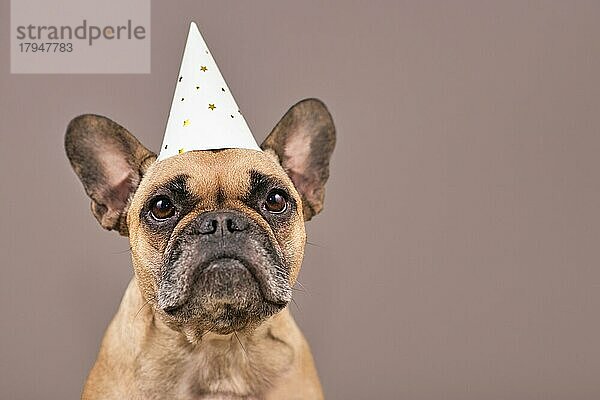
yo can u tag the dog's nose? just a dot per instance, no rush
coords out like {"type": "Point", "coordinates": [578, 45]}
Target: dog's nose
{"type": "Point", "coordinates": [221, 222]}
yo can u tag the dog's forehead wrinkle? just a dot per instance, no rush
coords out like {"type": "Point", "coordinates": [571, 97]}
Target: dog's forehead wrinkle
{"type": "Point", "coordinates": [178, 183]}
{"type": "Point", "coordinates": [217, 174]}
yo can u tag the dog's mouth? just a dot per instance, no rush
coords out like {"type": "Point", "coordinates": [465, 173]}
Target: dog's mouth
{"type": "Point", "coordinates": [229, 281]}
{"type": "Point", "coordinates": [222, 279]}
{"type": "Point", "coordinates": [225, 280]}
{"type": "Point", "coordinates": [225, 294]}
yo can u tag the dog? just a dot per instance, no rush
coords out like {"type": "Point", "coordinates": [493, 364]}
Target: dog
{"type": "Point", "coordinates": [217, 240]}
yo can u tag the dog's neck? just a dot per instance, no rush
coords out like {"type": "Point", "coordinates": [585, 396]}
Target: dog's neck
{"type": "Point", "coordinates": [242, 365]}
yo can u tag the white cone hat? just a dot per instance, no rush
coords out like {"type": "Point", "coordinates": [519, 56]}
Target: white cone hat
{"type": "Point", "coordinates": [204, 114]}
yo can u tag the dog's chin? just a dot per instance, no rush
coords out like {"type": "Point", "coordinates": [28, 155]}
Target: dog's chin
{"type": "Point", "coordinates": [227, 298]}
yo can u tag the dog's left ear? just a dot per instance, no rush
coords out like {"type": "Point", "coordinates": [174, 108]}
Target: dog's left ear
{"type": "Point", "coordinates": [110, 162]}
{"type": "Point", "coordinates": [304, 140]}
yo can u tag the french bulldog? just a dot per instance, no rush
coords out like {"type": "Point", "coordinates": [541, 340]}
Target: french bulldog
{"type": "Point", "coordinates": [217, 240]}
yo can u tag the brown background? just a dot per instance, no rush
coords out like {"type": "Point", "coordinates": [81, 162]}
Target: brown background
{"type": "Point", "coordinates": [457, 256]}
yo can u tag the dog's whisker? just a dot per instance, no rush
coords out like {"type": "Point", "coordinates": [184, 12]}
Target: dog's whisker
{"type": "Point", "coordinates": [208, 329]}
{"type": "Point", "coordinates": [123, 251]}
{"type": "Point", "coordinates": [296, 304]}
{"type": "Point", "coordinates": [241, 345]}
{"type": "Point", "coordinates": [301, 285]}
{"type": "Point", "coordinates": [141, 308]}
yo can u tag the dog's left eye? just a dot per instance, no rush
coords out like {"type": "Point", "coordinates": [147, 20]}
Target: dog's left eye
{"type": "Point", "coordinates": [276, 201]}
{"type": "Point", "coordinates": [162, 208]}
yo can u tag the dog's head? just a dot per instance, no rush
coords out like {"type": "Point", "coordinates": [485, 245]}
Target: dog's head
{"type": "Point", "coordinates": [217, 237]}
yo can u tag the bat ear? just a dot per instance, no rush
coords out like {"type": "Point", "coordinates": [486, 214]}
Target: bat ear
{"type": "Point", "coordinates": [110, 162]}
{"type": "Point", "coordinates": [304, 140]}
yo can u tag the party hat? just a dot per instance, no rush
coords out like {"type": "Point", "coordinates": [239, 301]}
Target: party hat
{"type": "Point", "coordinates": [204, 114]}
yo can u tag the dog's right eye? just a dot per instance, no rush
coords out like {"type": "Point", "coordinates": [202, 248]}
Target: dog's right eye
{"type": "Point", "coordinates": [276, 202]}
{"type": "Point", "coordinates": [161, 208]}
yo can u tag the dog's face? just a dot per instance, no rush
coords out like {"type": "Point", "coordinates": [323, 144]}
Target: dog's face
{"type": "Point", "coordinates": [217, 237]}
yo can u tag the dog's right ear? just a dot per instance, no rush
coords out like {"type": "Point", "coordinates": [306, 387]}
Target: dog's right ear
{"type": "Point", "coordinates": [303, 141]}
{"type": "Point", "coordinates": [110, 162]}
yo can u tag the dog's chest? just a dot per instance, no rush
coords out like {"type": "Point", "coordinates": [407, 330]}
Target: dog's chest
{"type": "Point", "coordinates": [219, 374]}
{"type": "Point", "coordinates": [225, 397]}
{"type": "Point", "coordinates": [219, 370]}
